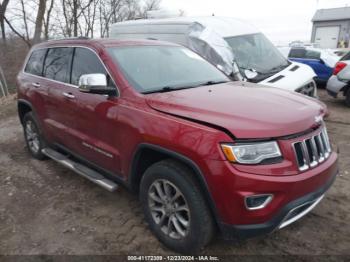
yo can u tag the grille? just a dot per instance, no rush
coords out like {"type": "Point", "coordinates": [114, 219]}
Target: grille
{"type": "Point", "coordinates": [312, 151]}
{"type": "Point", "coordinates": [308, 89]}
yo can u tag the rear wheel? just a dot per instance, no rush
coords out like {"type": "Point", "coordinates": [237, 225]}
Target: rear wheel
{"type": "Point", "coordinates": [33, 137]}
{"type": "Point", "coordinates": [175, 208]}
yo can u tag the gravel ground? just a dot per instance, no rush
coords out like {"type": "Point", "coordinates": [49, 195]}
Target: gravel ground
{"type": "Point", "coordinates": [47, 209]}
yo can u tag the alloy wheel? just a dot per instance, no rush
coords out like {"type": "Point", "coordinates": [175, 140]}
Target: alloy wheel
{"type": "Point", "coordinates": [169, 208]}
{"type": "Point", "coordinates": [32, 136]}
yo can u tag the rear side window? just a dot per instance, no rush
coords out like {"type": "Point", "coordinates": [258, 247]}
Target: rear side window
{"type": "Point", "coordinates": [35, 62]}
{"type": "Point", "coordinates": [311, 54]}
{"type": "Point", "coordinates": [297, 53]}
{"type": "Point", "coordinates": [345, 57]}
{"type": "Point", "coordinates": [58, 63]}
{"type": "Point", "coordinates": [86, 62]}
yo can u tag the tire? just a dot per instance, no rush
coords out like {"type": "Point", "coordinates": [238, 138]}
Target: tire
{"type": "Point", "coordinates": [33, 136]}
{"type": "Point", "coordinates": [159, 214]}
{"type": "Point", "coordinates": [347, 98]}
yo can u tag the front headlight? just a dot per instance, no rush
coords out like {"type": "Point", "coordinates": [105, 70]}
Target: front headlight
{"type": "Point", "coordinates": [252, 153]}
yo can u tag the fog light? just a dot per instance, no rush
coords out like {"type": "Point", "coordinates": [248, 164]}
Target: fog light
{"type": "Point", "coordinates": [255, 202]}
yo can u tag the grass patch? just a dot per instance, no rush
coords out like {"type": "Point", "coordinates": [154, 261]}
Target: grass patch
{"type": "Point", "coordinates": [8, 106]}
{"type": "Point", "coordinates": [11, 89]}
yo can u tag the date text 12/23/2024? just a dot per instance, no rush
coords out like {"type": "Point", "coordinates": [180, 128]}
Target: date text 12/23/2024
{"type": "Point", "coordinates": [173, 258]}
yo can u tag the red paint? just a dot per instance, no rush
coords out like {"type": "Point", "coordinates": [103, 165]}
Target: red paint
{"type": "Point", "coordinates": [119, 124]}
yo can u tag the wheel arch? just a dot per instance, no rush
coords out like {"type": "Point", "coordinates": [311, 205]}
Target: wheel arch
{"type": "Point", "coordinates": [346, 89]}
{"type": "Point", "coordinates": [147, 154]}
{"type": "Point", "coordinates": [23, 107]}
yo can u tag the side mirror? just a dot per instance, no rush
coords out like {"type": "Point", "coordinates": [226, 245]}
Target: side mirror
{"type": "Point", "coordinates": [95, 84]}
{"type": "Point", "coordinates": [250, 73]}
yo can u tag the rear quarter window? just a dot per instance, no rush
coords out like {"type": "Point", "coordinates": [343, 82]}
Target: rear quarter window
{"type": "Point", "coordinates": [35, 62]}
{"type": "Point", "coordinates": [345, 57]}
{"type": "Point", "coordinates": [311, 54]}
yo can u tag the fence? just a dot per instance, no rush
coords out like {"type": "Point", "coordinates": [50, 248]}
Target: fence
{"type": "Point", "coordinates": [3, 84]}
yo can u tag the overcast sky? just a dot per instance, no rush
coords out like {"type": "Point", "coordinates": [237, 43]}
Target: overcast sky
{"type": "Point", "coordinates": [281, 20]}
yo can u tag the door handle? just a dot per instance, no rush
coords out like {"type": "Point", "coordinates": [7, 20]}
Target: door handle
{"type": "Point", "coordinates": [68, 95]}
{"type": "Point", "coordinates": [36, 85]}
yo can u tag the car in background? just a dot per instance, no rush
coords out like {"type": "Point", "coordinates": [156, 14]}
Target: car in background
{"type": "Point", "coordinates": [321, 61]}
{"type": "Point", "coordinates": [339, 82]}
{"type": "Point", "coordinates": [340, 51]}
{"type": "Point", "coordinates": [299, 43]}
{"type": "Point", "coordinates": [236, 47]}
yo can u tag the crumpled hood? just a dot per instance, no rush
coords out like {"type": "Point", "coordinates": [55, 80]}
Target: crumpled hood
{"type": "Point", "coordinates": [291, 79]}
{"type": "Point", "coordinates": [246, 110]}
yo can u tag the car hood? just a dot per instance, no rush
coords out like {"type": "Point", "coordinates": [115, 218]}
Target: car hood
{"type": "Point", "coordinates": [291, 78]}
{"type": "Point", "coordinates": [246, 110]}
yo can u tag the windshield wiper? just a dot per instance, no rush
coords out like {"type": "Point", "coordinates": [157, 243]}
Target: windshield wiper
{"type": "Point", "coordinates": [171, 88]}
{"type": "Point", "coordinates": [209, 83]}
{"type": "Point", "coordinates": [278, 68]}
{"type": "Point", "coordinates": [167, 89]}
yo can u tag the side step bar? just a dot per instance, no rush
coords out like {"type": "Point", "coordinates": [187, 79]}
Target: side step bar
{"type": "Point", "coordinates": [82, 170]}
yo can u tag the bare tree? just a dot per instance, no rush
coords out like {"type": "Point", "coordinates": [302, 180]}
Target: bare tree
{"type": "Point", "coordinates": [3, 7]}
{"type": "Point", "coordinates": [72, 11]}
{"type": "Point", "coordinates": [109, 10]}
{"type": "Point", "coordinates": [32, 19]}
{"type": "Point", "coordinates": [25, 20]}
{"type": "Point", "coordinates": [39, 21]}
{"type": "Point", "coordinates": [113, 11]}
{"type": "Point", "coordinates": [47, 19]}
{"type": "Point", "coordinates": [25, 36]}
{"type": "Point", "coordinates": [89, 16]}
{"type": "Point", "coordinates": [151, 5]}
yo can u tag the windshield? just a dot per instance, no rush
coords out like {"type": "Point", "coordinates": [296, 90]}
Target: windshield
{"type": "Point", "coordinates": [255, 52]}
{"type": "Point", "coordinates": [164, 68]}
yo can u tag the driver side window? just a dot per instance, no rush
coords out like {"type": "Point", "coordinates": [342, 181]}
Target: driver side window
{"type": "Point", "coordinates": [86, 62]}
{"type": "Point", "coordinates": [297, 53]}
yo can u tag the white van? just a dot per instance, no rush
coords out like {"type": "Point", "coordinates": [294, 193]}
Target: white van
{"type": "Point", "coordinates": [236, 47]}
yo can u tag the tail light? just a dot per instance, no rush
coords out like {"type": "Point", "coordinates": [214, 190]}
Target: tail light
{"type": "Point", "coordinates": [338, 67]}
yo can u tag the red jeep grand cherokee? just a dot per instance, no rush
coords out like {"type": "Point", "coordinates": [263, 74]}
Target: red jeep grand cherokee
{"type": "Point", "coordinates": [205, 154]}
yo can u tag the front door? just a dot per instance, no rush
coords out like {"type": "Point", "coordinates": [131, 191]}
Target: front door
{"type": "Point", "coordinates": [94, 128]}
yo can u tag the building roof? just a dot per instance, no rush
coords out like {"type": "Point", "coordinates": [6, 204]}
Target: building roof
{"type": "Point", "coordinates": [342, 13]}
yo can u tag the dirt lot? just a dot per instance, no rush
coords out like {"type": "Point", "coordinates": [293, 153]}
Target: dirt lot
{"type": "Point", "coordinates": [46, 209]}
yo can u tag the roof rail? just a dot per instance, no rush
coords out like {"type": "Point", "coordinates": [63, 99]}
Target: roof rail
{"type": "Point", "coordinates": [71, 38]}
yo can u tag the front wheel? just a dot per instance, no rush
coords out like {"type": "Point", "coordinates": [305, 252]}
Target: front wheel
{"type": "Point", "coordinates": [175, 208]}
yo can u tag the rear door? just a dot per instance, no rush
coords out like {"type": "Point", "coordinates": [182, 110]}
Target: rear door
{"type": "Point", "coordinates": [56, 71]}
{"type": "Point", "coordinates": [322, 70]}
{"type": "Point", "coordinates": [311, 58]}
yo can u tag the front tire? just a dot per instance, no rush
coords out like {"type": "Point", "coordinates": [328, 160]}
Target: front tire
{"type": "Point", "coordinates": [33, 136]}
{"type": "Point", "coordinates": [175, 208]}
